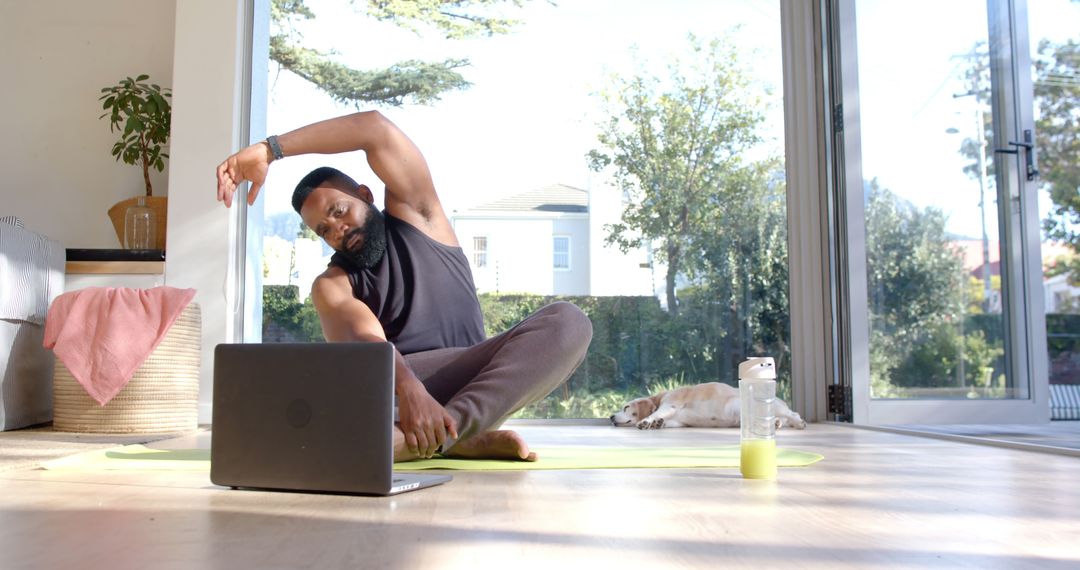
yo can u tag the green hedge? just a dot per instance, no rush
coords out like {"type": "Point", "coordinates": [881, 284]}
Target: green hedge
{"type": "Point", "coordinates": [931, 359]}
{"type": "Point", "coordinates": [286, 319]}
{"type": "Point", "coordinates": [638, 347]}
{"type": "Point", "coordinates": [1063, 343]}
{"type": "Point", "coordinates": [1062, 334]}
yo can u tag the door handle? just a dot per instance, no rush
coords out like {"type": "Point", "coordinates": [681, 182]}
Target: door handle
{"type": "Point", "coordinates": [1029, 147]}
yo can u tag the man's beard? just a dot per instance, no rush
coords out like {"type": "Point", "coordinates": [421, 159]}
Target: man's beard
{"type": "Point", "coordinates": [373, 243]}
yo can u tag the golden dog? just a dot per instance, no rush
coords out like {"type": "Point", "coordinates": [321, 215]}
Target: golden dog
{"type": "Point", "coordinates": [712, 404]}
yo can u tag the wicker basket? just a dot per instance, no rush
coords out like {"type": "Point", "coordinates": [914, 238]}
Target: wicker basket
{"type": "Point", "coordinates": [160, 207]}
{"type": "Point", "coordinates": [162, 396]}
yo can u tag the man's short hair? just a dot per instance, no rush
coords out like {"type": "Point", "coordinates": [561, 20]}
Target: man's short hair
{"type": "Point", "coordinates": [316, 178]}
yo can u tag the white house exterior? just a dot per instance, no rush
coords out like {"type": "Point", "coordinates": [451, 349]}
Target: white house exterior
{"type": "Point", "coordinates": [278, 261]}
{"type": "Point", "coordinates": [535, 242]}
{"type": "Point", "coordinates": [297, 263]}
{"type": "Point", "coordinates": [312, 257]}
{"type": "Point", "coordinates": [548, 241]}
{"type": "Point", "coordinates": [1059, 295]}
{"type": "Point", "coordinates": [615, 273]}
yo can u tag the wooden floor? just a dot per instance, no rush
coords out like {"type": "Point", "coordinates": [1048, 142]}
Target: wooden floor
{"type": "Point", "coordinates": [878, 500]}
{"type": "Point", "coordinates": [1059, 434]}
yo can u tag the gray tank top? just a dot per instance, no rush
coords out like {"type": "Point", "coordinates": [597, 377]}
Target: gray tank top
{"type": "Point", "coordinates": [422, 291]}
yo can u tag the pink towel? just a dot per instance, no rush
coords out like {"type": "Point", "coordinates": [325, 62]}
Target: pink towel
{"type": "Point", "coordinates": [103, 334]}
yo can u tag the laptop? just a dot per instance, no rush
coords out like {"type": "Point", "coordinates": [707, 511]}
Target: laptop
{"type": "Point", "coordinates": [307, 417]}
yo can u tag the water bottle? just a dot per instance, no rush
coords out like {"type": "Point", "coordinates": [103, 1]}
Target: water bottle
{"type": "Point", "coordinates": [757, 421]}
{"type": "Point", "coordinates": [139, 226]}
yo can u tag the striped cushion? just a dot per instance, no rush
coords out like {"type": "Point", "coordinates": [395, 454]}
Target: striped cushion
{"type": "Point", "coordinates": [11, 221]}
{"type": "Point", "coordinates": [1065, 401]}
{"type": "Point", "coordinates": [31, 274]}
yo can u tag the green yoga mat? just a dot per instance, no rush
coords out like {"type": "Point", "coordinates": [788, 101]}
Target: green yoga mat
{"type": "Point", "coordinates": [138, 457]}
{"type": "Point", "coordinates": [615, 458]}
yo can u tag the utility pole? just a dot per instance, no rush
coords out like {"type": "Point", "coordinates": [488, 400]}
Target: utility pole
{"type": "Point", "coordinates": [980, 140]}
{"type": "Point", "coordinates": [987, 289]}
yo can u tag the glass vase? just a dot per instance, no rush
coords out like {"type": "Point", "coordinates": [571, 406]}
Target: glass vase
{"type": "Point", "coordinates": [139, 226]}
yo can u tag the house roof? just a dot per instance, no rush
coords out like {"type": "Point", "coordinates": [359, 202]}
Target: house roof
{"type": "Point", "coordinates": [551, 198]}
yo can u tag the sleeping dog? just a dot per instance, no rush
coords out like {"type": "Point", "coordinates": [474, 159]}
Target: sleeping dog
{"type": "Point", "coordinates": [705, 405]}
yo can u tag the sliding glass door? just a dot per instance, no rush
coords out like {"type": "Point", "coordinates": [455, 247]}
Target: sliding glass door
{"type": "Point", "coordinates": [939, 196]}
{"type": "Point", "coordinates": [1054, 44]}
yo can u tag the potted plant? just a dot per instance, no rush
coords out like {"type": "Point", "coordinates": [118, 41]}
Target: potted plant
{"type": "Point", "coordinates": [141, 112]}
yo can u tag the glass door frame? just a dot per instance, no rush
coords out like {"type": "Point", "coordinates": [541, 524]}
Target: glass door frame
{"type": "Point", "coordinates": [1026, 352]}
{"type": "Point", "coordinates": [242, 288]}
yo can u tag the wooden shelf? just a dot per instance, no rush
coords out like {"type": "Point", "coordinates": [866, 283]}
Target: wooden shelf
{"type": "Point", "coordinates": [115, 267]}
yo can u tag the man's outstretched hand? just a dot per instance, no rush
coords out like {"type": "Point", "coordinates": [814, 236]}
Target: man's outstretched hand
{"type": "Point", "coordinates": [250, 164]}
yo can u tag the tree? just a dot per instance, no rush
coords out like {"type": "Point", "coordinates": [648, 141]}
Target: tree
{"type": "Point", "coordinates": [743, 267]}
{"type": "Point", "coordinates": [1057, 131]}
{"type": "Point", "coordinates": [412, 80]}
{"type": "Point", "coordinates": [304, 232]}
{"type": "Point", "coordinates": [1057, 96]}
{"type": "Point", "coordinates": [915, 291]}
{"type": "Point", "coordinates": [914, 273]}
{"type": "Point", "coordinates": [944, 357]}
{"type": "Point", "coordinates": [677, 146]}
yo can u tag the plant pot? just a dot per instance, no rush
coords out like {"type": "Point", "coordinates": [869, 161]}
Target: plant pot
{"type": "Point", "coordinates": [159, 205]}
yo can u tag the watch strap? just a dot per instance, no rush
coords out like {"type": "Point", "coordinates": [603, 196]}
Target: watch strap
{"type": "Point", "coordinates": [275, 148]}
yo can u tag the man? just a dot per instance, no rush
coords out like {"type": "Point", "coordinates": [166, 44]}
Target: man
{"type": "Point", "coordinates": [401, 276]}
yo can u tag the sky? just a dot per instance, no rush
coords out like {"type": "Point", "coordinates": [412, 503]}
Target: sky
{"type": "Point", "coordinates": [530, 116]}
{"type": "Point", "coordinates": [910, 73]}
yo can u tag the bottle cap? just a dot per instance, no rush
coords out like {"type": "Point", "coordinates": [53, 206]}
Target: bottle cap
{"type": "Point", "coordinates": [757, 368]}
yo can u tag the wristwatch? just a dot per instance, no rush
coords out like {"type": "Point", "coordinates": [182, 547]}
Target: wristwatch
{"type": "Point", "coordinates": [275, 148]}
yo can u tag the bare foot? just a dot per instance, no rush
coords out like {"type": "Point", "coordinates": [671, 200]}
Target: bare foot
{"type": "Point", "coordinates": [502, 444]}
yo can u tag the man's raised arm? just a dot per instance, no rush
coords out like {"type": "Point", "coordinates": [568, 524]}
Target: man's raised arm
{"type": "Point", "coordinates": [392, 156]}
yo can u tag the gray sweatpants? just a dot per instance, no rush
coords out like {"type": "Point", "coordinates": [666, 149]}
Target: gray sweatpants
{"type": "Point", "coordinates": [482, 385]}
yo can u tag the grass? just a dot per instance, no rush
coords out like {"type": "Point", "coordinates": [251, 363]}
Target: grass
{"type": "Point", "coordinates": [583, 404]}
{"type": "Point", "coordinates": [589, 405]}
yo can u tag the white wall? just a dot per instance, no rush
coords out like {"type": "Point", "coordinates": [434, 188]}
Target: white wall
{"type": "Point", "coordinates": [612, 272]}
{"type": "Point", "coordinates": [209, 99]}
{"type": "Point", "coordinates": [58, 174]}
{"type": "Point", "coordinates": [515, 244]}
{"type": "Point", "coordinates": [312, 257]}
{"type": "Point", "coordinates": [519, 253]}
{"type": "Point", "coordinates": [1059, 295]}
{"type": "Point", "coordinates": [574, 281]}
{"type": "Point", "coordinates": [56, 55]}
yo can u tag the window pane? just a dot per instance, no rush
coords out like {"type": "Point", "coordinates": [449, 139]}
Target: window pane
{"type": "Point", "coordinates": [561, 252]}
{"type": "Point", "coordinates": [534, 152]}
{"type": "Point", "coordinates": [292, 257]}
{"type": "Point", "coordinates": [934, 286]}
{"type": "Point", "coordinates": [1055, 55]}
{"type": "Point", "coordinates": [479, 252]}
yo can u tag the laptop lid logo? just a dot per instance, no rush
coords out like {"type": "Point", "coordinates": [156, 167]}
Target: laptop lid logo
{"type": "Point", "coordinates": [298, 414]}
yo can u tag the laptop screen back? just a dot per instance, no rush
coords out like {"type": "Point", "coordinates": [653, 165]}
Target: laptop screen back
{"type": "Point", "coordinates": [311, 416]}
